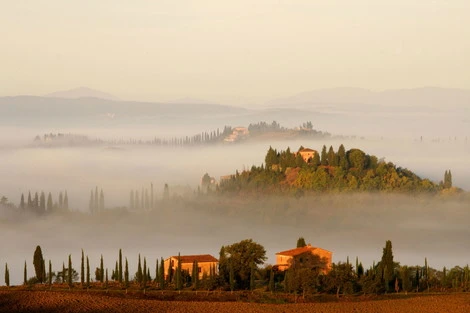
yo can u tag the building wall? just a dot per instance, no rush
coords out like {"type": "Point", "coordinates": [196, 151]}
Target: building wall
{"type": "Point", "coordinates": [205, 267]}
{"type": "Point", "coordinates": [283, 261]}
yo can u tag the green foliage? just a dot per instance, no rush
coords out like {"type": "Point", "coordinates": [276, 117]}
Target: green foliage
{"type": "Point", "coordinates": [38, 262]}
{"type": "Point", "coordinates": [7, 275]}
{"type": "Point", "coordinates": [82, 269]}
{"type": "Point", "coordinates": [87, 272]}
{"type": "Point", "coordinates": [241, 258]}
{"type": "Point", "coordinates": [301, 242]}
{"type": "Point", "coordinates": [353, 170]}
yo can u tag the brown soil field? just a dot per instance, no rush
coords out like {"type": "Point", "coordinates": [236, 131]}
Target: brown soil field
{"type": "Point", "coordinates": [82, 301]}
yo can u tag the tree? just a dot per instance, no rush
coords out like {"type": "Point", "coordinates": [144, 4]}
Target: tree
{"type": "Point", "coordinates": [138, 275]}
{"type": "Point", "coordinates": [82, 269]}
{"type": "Point", "coordinates": [96, 205]}
{"type": "Point", "coordinates": [132, 201]}
{"type": "Point", "coordinates": [340, 278]}
{"type": "Point", "coordinates": [22, 205]}
{"type": "Point", "coordinates": [66, 201]}
{"type": "Point", "coordinates": [162, 274]}
{"type": "Point", "coordinates": [342, 159]}
{"type": "Point", "coordinates": [126, 275]}
{"type": "Point", "coordinates": [324, 156]}
{"type": "Point", "coordinates": [387, 265]}
{"type": "Point", "coordinates": [120, 267]}
{"type": "Point", "coordinates": [91, 205]}
{"type": "Point", "coordinates": [61, 201]}
{"type": "Point", "coordinates": [195, 276]}
{"type": "Point", "coordinates": [42, 203]}
{"type": "Point", "coordinates": [101, 270]}
{"type": "Point", "coordinates": [49, 205]}
{"type": "Point", "coordinates": [271, 283]}
{"type": "Point", "coordinates": [106, 282]}
{"type": "Point", "coordinates": [87, 272]}
{"type": "Point", "coordinates": [7, 275]}
{"type": "Point", "coordinates": [70, 272]}
{"type": "Point", "coordinates": [144, 276]}
{"type": "Point", "coordinates": [241, 256]}
{"type": "Point", "coordinates": [50, 273]}
{"type": "Point", "coordinates": [332, 157]}
{"type": "Point", "coordinates": [301, 242]}
{"type": "Point", "coordinates": [25, 274]}
{"type": "Point", "coordinates": [166, 193]}
{"type": "Point", "coordinates": [38, 262]}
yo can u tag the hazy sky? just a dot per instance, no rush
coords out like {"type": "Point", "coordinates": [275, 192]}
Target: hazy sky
{"type": "Point", "coordinates": [231, 51]}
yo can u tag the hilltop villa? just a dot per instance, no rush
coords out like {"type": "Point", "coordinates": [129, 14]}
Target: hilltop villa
{"type": "Point", "coordinates": [204, 262]}
{"type": "Point", "coordinates": [322, 258]}
{"type": "Point", "coordinates": [307, 154]}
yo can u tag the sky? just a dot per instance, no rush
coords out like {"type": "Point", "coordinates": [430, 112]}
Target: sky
{"type": "Point", "coordinates": [232, 52]}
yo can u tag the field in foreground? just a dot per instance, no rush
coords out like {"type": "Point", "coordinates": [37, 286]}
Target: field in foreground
{"type": "Point", "coordinates": [64, 301]}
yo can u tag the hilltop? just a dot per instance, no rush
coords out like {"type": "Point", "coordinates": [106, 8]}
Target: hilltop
{"type": "Point", "coordinates": [307, 170]}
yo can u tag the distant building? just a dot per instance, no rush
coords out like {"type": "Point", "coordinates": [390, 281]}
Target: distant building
{"type": "Point", "coordinates": [322, 258]}
{"type": "Point", "coordinates": [237, 134]}
{"type": "Point", "coordinates": [204, 263]}
{"type": "Point", "coordinates": [307, 154]}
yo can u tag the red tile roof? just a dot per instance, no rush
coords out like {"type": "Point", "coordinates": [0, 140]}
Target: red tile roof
{"type": "Point", "coordinates": [307, 150]}
{"type": "Point", "coordinates": [200, 258]}
{"type": "Point", "coordinates": [297, 251]}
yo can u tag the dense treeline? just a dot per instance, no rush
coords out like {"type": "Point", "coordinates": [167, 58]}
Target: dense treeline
{"type": "Point", "coordinates": [241, 267]}
{"type": "Point", "coordinates": [329, 170]}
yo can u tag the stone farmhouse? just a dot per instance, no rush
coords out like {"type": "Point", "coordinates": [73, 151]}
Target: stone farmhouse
{"type": "Point", "coordinates": [320, 258]}
{"type": "Point", "coordinates": [237, 134]}
{"type": "Point", "coordinates": [204, 262]}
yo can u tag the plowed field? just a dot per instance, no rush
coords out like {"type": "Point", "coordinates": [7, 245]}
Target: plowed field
{"type": "Point", "coordinates": [63, 301]}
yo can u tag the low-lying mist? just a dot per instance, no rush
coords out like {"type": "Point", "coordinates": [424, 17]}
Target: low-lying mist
{"type": "Point", "coordinates": [346, 224]}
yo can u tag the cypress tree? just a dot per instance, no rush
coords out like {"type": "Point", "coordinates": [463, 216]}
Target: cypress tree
{"type": "Point", "coordinates": [152, 204]}
{"type": "Point", "coordinates": [106, 281]}
{"type": "Point", "coordinates": [120, 267]}
{"type": "Point", "coordinates": [87, 272]}
{"type": "Point", "coordinates": [36, 201]}
{"type": "Point", "coordinates": [301, 242]}
{"type": "Point", "coordinates": [144, 272]}
{"type": "Point", "coordinates": [162, 274]}
{"type": "Point", "coordinates": [42, 202]}
{"type": "Point", "coordinates": [7, 275]}
{"type": "Point", "coordinates": [137, 202]}
{"type": "Point", "coordinates": [30, 202]}
{"type": "Point", "coordinates": [170, 272]}
{"type": "Point", "coordinates": [116, 272]}
{"type": "Point", "coordinates": [66, 201]}
{"type": "Point", "coordinates": [231, 276]}
{"type": "Point", "coordinates": [22, 205]}
{"type": "Point", "coordinates": [50, 273]}
{"type": "Point", "coordinates": [44, 271]}
{"type": "Point", "coordinates": [82, 269]}
{"type": "Point", "coordinates": [49, 205]}
{"type": "Point", "coordinates": [126, 275]}
{"type": "Point", "coordinates": [139, 272]}
{"type": "Point", "coordinates": [25, 274]}
{"type": "Point", "coordinates": [38, 262]}
{"type": "Point", "coordinates": [101, 270]}
{"type": "Point", "coordinates": [387, 264]}
{"type": "Point", "coordinates": [156, 272]}
{"type": "Point", "coordinates": [332, 157]}
{"type": "Point", "coordinates": [179, 278]}
{"type": "Point", "coordinates": [70, 273]}
{"type": "Point", "coordinates": [324, 156]}
{"type": "Point", "coordinates": [61, 201]}
{"type": "Point", "coordinates": [63, 272]}
{"type": "Point", "coordinates": [342, 160]}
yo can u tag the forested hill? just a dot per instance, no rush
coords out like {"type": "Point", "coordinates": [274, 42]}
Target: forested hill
{"type": "Point", "coordinates": [308, 170]}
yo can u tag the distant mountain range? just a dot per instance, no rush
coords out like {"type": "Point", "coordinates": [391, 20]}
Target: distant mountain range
{"type": "Point", "coordinates": [357, 98]}
{"type": "Point", "coordinates": [81, 92]}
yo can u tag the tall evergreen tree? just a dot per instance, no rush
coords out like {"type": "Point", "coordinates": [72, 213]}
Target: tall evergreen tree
{"type": "Point", "coordinates": [342, 159]}
{"type": "Point", "coordinates": [66, 201]}
{"type": "Point", "coordinates": [106, 281]}
{"type": "Point", "coordinates": [332, 157]}
{"type": "Point", "coordinates": [387, 265]}
{"type": "Point", "coordinates": [179, 278]}
{"type": "Point", "coordinates": [25, 274]}
{"type": "Point", "coordinates": [82, 269]}
{"type": "Point", "coordinates": [38, 261]}
{"type": "Point", "coordinates": [7, 275]}
{"type": "Point", "coordinates": [101, 270]}
{"type": "Point", "coordinates": [50, 273]}
{"type": "Point", "coordinates": [61, 201]}
{"type": "Point", "coordinates": [22, 204]}
{"type": "Point", "coordinates": [87, 272]}
{"type": "Point", "coordinates": [152, 204]}
{"type": "Point", "coordinates": [101, 208]}
{"type": "Point", "coordinates": [63, 273]}
{"type": "Point", "coordinates": [96, 205]}
{"type": "Point", "coordinates": [137, 202]}
{"type": "Point", "coordinates": [70, 272]}
{"type": "Point", "coordinates": [49, 205]}
{"type": "Point", "coordinates": [139, 272]}
{"type": "Point", "coordinates": [42, 202]}
{"type": "Point", "coordinates": [162, 274]}
{"type": "Point", "coordinates": [144, 272]}
{"type": "Point", "coordinates": [166, 193]}
{"type": "Point", "coordinates": [271, 281]}
{"type": "Point", "coordinates": [126, 275]}
{"type": "Point", "coordinates": [120, 267]}
{"type": "Point", "coordinates": [36, 201]}
{"type": "Point", "coordinates": [324, 156]}
{"type": "Point", "coordinates": [30, 202]}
